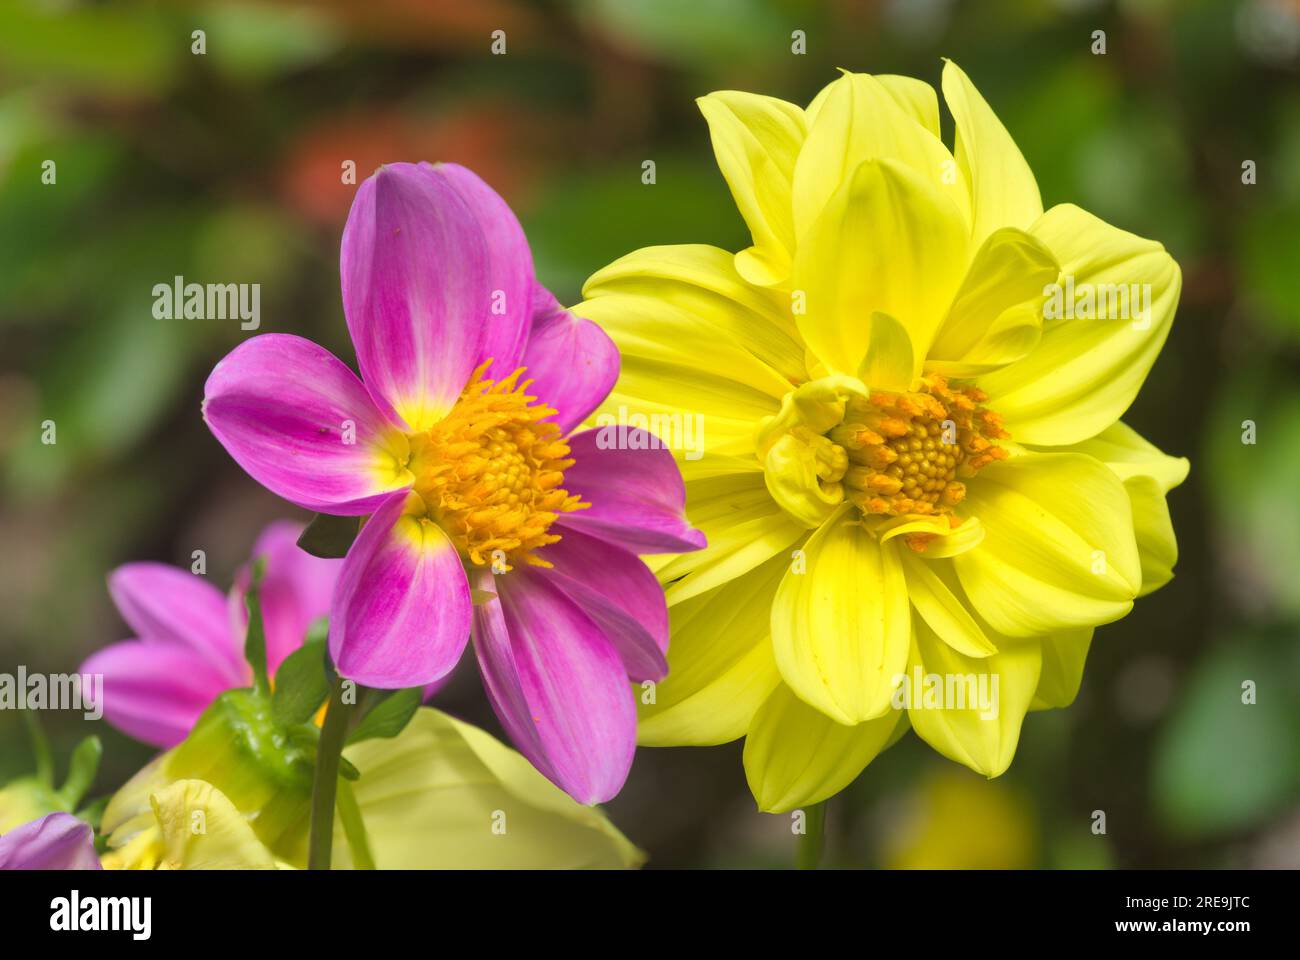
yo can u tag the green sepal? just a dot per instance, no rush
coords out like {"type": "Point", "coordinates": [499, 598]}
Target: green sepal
{"type": "Point", "coordinates": [81, 771]}
{"type": "Point", "coordinates": [301, 685]}
{"type": "Point", "coordinates": [329, 537]}
{"type": "Point", "coordinates": [93, 812]}
{"type": "Point", "coordinates": [389, 717]}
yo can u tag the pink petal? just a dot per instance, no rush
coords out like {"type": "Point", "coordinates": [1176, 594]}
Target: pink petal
{"type": "Point", "coordinates": [401, 611]}
{"type": "Point", "coordinates": [155, 691]}
{"type": "Point", "coordinates": [297, 589]}
{"type": "Point", "coordinates": [426, 257]}
{"type": "Point", "coordinates": [556, 683]}
{"type": "Point", "coordinates": [510, 266]}
{"type": "Point", "coordinates": [638, 500]}
{"type": "Point", "coordinates": [302, 425]}
{"type": "Point", "coordinates": [168, 605]}
{"type": "Point", "coordinates": [572, 362]}
{"type": "Point", "coordinates": [619, 593]}
{"type": "Point", "coordinates": [57, 841]}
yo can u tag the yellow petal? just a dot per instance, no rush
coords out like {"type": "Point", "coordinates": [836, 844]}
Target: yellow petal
{"type": "Point", "coordinates": [887, 241]}
{"type": "Point", "coordinates": [938, 598]}
{"type": "Point", "coordinates": [144, 851]}
{"type": "Point", "coordinates": [945, 540]}
{"type": "Point", "coordinates": [1058, 549]}
{"type": "Point", "coordinates": [202, 830]}
{"type": "Point", "coordinates": [997, 316]}
{"type": "Point", "coordinates": [858, 118]}
{"type": "Point", "coordinates": [1129, 454]}
{"type": "Point", "coordinates": [803, 468]}
{"type": "Point", "coordinates": [1085, 372]}
{"type": "Point", "coordinates": [840, 628]}
{"type": "Point", "coordinates": [666, 372]}
{"type": "Point", "coordinates": [1148, 475]}
{"type": "Point", "coordinates": [916, 97]}
{"type": "Point", "coordinates": [796, 755]}
{"type": "Point", "coordinates": [744, 526]}
{"type": "Point", "coordinates": [969, 709]}
{"type": "Point", "coordinates": [720, 665]}
{"type": "Point", "coordinates": [1063, 658]}
{"type": "Point", "coordinates": [130, 810]}
{"type": "Point", "coordinates": [25, 800]}
{"type": "Point", "coordinates": [1003, 192]}
{"type": "Point", "coordinates": [817, 405]}
{"type": "Point", "coordinates": [1154, 529]}
{"type": "Point", "coordinates": [446, 795]}
{"type": "Point", "coordinates": [703, 281]}
{"type": "Point", "coordinates": [790, 467]}
{"type": "Point", "coordinates": [890, 363]}
{"type": "Point", "coordinates": [756, 140]}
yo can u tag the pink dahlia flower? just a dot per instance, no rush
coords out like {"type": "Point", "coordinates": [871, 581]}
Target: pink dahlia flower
{"type": "Point", "coordinates": [57, 841]}
{"type": "Point", "coordinates": [456, 443]}
{"type": "Point", "coordinates": [189, 637]}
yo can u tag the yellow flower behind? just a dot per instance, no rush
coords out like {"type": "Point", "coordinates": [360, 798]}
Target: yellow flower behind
{"type": "Point", "coordinates": [918, 496]}
{"type": "Point", "coordinates": [953, 821]}
{"type": "Point", "coordinates": [440, 795]}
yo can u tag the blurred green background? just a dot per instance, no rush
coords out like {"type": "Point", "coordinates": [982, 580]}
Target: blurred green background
{"type": "Point", "coordinates": [226, 168]}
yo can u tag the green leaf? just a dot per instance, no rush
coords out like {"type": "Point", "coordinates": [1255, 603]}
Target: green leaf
{"type": "Point", "coordinates": [318, 632]}
{"type": "Point", "coordinates": [301, 685]}
{"type": "Point", "coordinates": [91, 47]}
{"type": "Point", "coordinates": [255, 42]}
{"type": "Point", "coordinates": [389, 717]}
{"type": "Point", "coordinates": [329, 537]}
{"type": "Point", "coordinates": [1223, 764]}
{"type": "Point", "coordinates": [687, 31]}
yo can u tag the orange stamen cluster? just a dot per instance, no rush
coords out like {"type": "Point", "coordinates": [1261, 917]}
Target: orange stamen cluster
{"type": "Point", "coordinates": [907, 450]}
{"type": "Point", "coordinates": [490, 472]}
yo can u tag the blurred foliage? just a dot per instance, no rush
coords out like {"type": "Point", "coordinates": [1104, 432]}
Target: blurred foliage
{"type": "Point", "coordinates": [226, 167]}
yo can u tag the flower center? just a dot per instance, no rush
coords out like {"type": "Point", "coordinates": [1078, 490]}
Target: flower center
{"type": "Point", "coordinates": [906, 451]}
{"type": "Point", "coordinates": [490, 472]}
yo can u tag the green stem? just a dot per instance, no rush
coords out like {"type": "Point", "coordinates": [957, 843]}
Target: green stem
{"type": "Point", "coordinates": [255, 640]}
{"type": "Point", "coordinates": [354, 828]}
{"type": "Point", "coordinates": [333, 735]}
{"type": "Point", "coordinates": [41, 748]}
{"type": "Point", "coordinates": [809, 851]}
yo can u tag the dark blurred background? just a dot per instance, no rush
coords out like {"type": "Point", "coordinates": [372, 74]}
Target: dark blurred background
{"type": "Point", "coordinates": [226, 167]}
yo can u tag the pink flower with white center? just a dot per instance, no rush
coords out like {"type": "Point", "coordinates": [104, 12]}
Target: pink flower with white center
{"type": "Point", "coordinates": [456, 443]}
{"type": "Point", "coordinates": [189, 636]}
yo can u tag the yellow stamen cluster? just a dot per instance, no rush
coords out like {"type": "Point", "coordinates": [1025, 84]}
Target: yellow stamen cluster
{"type": "Point", "coordinates": [490, 472]}
{"type": "Point", "coordinates": [906, 450]}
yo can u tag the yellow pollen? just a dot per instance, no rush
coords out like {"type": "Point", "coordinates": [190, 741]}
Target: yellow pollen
{"type": "Point", "coordinates": [490, 472]}
{"type": "Point", "coordinates": [907, 451]}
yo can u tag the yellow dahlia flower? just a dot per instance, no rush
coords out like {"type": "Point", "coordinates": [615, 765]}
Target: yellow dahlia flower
{"type": "Point", "coordinates": [441, 794]}
{"type": "Point", "coordinates": [918, 497]}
